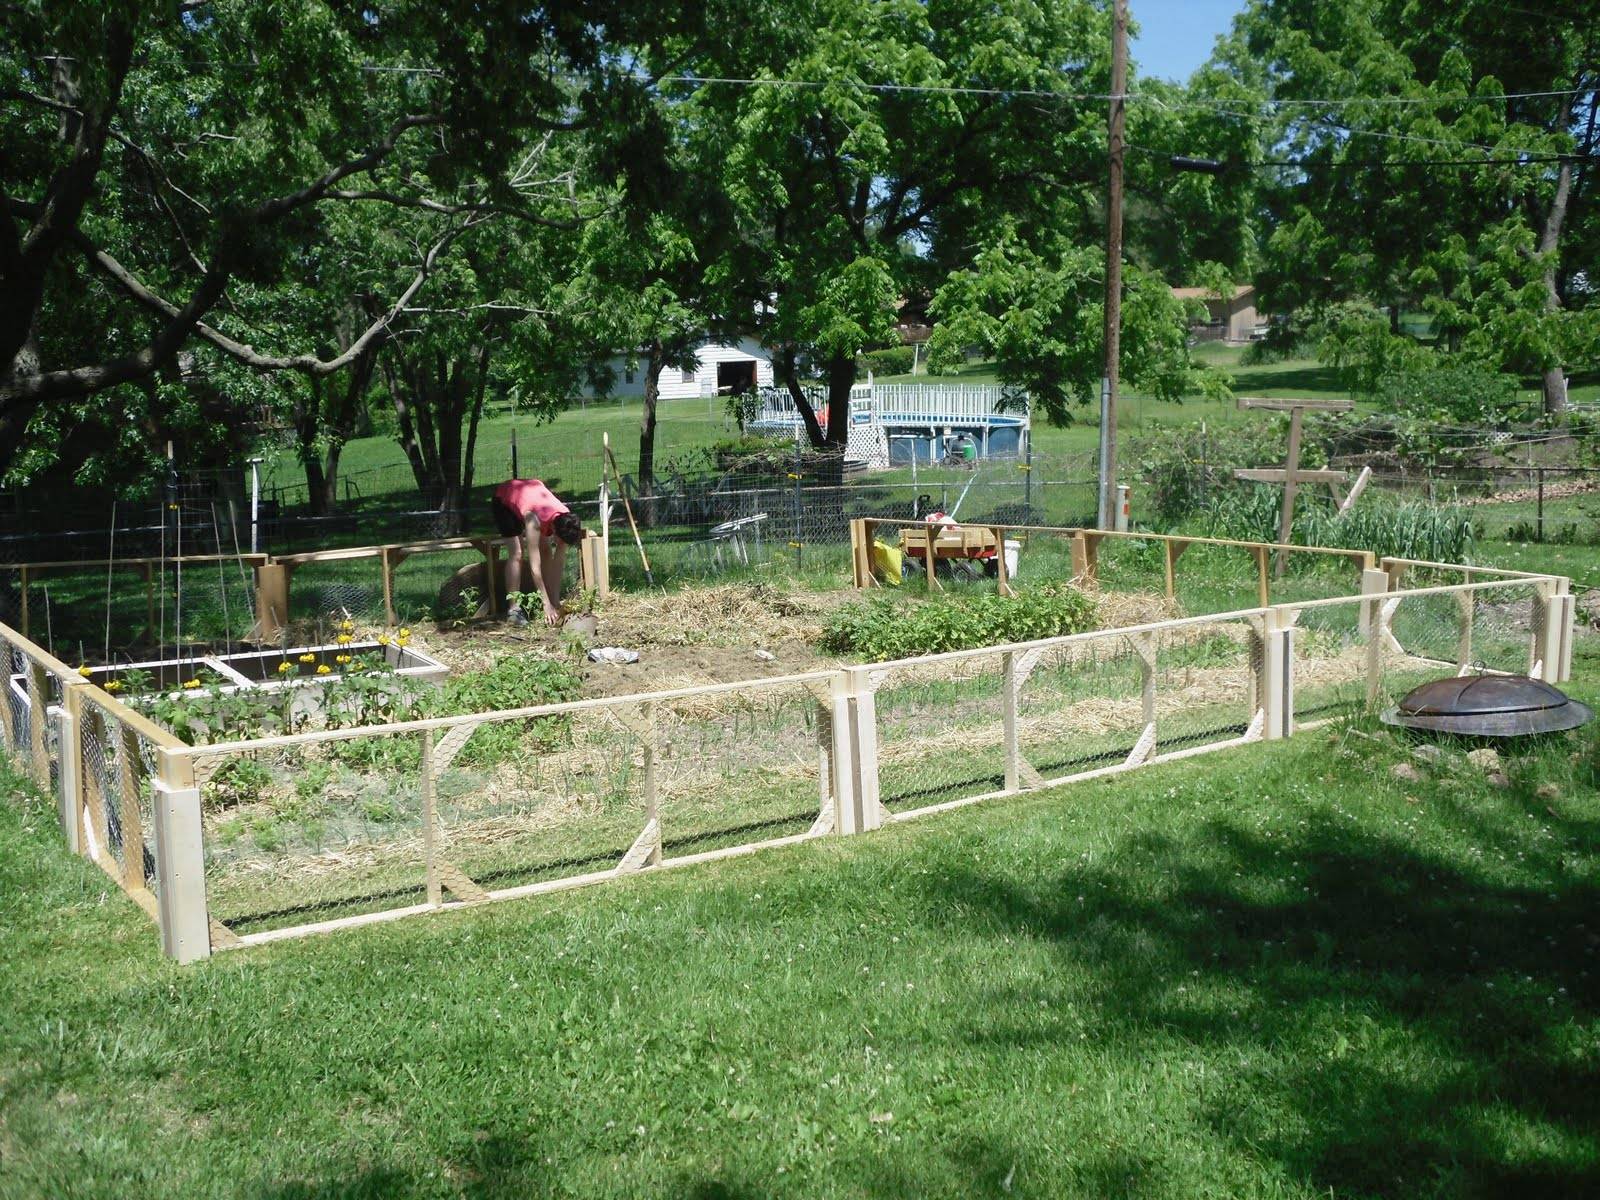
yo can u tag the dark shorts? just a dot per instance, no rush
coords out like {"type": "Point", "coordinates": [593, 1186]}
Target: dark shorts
{"type": "Point", "coordinates": [505, 518]}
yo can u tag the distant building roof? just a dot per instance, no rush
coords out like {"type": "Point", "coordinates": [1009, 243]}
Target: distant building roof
{"type": "Point", "coordinates": [1200, 293]}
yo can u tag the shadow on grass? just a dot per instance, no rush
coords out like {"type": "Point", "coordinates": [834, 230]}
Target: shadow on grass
{"type": "Point", "coordinates": [1390, 1020]}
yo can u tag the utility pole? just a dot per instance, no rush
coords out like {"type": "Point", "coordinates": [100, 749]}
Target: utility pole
{"type": "Point", "coordinates": [1113, 333]}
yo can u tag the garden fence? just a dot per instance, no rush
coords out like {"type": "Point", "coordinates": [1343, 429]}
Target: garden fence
{"type": "Point", "coordinates": [242, 842]}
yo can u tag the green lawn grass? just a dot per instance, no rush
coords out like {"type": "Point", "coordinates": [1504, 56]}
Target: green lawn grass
{"type": "Point", "coordinates": [1272, 972]}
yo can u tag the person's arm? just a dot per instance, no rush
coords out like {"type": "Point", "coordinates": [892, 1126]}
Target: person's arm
{"type": "Point", "coordinates": [540, 568]}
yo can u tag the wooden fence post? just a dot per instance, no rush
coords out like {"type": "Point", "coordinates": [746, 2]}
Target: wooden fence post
{"type": "Point", "coordinates": [272, 600]}
{"type": "Point", "coordinates": [856, 802]}
{"type": "Point", "coordinates": [38, 683]}
{"type": "Point", "coordinates": [1276, 688]}
{"type": "Point", "coordinates": [69, 772]}
{"type": "Point", "coordinates": [180, 860]}
{"type": "Point", "coordinates": [1373, 583]}
{"type": "Point", "coordinates": [430, 822]}
{"type": "Point", "coordinates": [1016, 668]}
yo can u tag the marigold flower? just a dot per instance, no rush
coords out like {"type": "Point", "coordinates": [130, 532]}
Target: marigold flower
{"type": "Point", "coordinates": [285, 667]}
{"type": "Point", "coordinates": [308, 658]}
{"type": "Point", "coordinates": [342, 658]}
{"type": "Point", "coordinates": [324, 669]}
{"type": "Point", "coordinates": [85, 670]}
{"type": "Point", "coordinates": [347, 624]}
{"type": "Point", "coordinates": [403, 640]}
{"type": "Point", "coordinates": [405, 631]}
{"type": "Point", "coordinates": [383, 639]}
{"type": "Point", "coordinates": [114, 685]}
{"type": "Point", "coordinates": [343, 639]}
{"type": "Point", "coordinates": [191, 683]}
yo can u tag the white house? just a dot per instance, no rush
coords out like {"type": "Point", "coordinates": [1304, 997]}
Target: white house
{"type": "Point", "coordinates": [720, 368]}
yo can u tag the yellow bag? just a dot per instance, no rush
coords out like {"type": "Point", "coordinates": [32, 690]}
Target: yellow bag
{"type": "Point", "coordinates": [886, 562]}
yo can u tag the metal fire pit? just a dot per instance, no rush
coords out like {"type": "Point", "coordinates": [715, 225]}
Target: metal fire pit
{"type": "Point", "coordinates": [1493, 706]}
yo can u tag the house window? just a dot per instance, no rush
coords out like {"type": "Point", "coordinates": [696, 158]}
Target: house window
{"type": "Point", "coordinates": [627, 376]}
{"type": "Point", "coordinates": [687, 375]}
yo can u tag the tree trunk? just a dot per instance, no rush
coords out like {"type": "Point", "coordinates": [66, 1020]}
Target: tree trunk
{"type": "Point", "coordinates": [791, 380]}
{"type": "Point", "coordinates": [841, 378]}
{"type": "Point", "coordinates": [473, 420]}
{"type": "Point", "coordinates": [655, 361]}
{"type": "Point", "coordinates": [1555, 376]}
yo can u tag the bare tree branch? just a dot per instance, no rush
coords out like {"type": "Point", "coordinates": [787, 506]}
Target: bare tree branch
{"type": "Point", "coordinates": [308, 364]}
{"type": "Point", "coordinates": [437, 206]}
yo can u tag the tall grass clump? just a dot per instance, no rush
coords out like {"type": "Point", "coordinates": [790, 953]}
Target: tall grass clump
{"type": "Point", "coordinates": [885, 628]}
{"type": "Point", "coordinates": [1393, 528]}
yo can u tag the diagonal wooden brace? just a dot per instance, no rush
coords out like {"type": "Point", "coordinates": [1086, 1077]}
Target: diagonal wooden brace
{"type": "Point", "coordinates": [450, 744]}
{"type": "Point", "coordinates": [456, 881]}
{"type": "Point", "coordinates": [1143, 747]}
{"type": "Point", "coordinates": [646, 848]}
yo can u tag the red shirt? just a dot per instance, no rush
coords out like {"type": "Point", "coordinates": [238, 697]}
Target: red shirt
{"type": "Point", "coordinates": [530, 497]}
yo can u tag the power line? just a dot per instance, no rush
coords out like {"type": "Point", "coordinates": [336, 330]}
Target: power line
{"type": "Point", "coordinates": [952, 89]}
{"type": "Point", "coordinates": [1213, 166]}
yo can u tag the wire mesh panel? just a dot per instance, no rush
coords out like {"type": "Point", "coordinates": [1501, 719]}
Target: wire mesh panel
{"type": "Point", "coordinates": [312, 832]}
{"type": "Point", "coordinates": [116, 774]}
{"type": "Point", "coordinates": [310, 829]}
{"type": "Point", "coordinates": [1330, 660]}
{"type": "Point", "coordinates": [323, 593]}
{"type": "Point", "coordinates": [941, 730]}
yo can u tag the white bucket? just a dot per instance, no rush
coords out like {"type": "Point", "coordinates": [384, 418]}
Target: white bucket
{"type": "Point", "coordinates": [1013, 552]}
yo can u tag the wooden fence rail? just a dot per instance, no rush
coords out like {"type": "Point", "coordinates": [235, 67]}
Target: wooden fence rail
{"type": "Point", "coordinates": [129, 792]}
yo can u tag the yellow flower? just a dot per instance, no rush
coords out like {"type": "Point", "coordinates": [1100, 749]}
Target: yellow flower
{"type": "Point", "coordinates": [343, 639]}
{"type": "Point", "coordinates": [347, 624]}
{"type": "Point", "coordinates": [285, 667]}
{"type": "Point", "coordinates": [405, 632]}
{"type": "Point", "coordinates": [403, 640]}
{"type": "Point", "coordinates": [308, 658]}
{"type": "Point", "coordinates": [342, 658]}
{"type": "Point", "coordinates": [324, 669]}
{"type": "Point", "coordinates": [85, 670]}
{"type": "Point", "coordinates": [383, 639]}
{"type": "Point", "coordinates": [191, 683]}
{"type": "Point", "coordinates": [114, 685]}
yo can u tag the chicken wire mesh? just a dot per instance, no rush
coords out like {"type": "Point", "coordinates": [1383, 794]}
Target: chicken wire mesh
{"type": "Point", "coordinates": [1421, 634]}
{"type": "Point", "coordinates": [310, 832]}
{"type": "Point", "coordinates": [958, 726]}
{"type": "Point", "coordinates": [318, 830]}
{"type": "Point", "coordinates": [116, 774]}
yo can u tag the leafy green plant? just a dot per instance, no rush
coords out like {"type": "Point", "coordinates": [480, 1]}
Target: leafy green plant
{"type": "Point", "coordinates": [512, 681]}
{"type": "Point", "coordinates": [238, 781]}
{"type": "Point", "coordinates": [881, 629]}
{"type": "Point", "coordinates": [1403, 529]}
{"type": "Point", "coordinates": [892, 360]}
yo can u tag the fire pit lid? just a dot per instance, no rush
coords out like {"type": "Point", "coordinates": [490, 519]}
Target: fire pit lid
{"type": "Point", "coordinates": [1488, 706]}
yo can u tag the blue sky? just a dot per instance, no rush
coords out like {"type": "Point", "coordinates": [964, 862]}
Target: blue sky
{"type": "Point", "coordinates": [1175, 36]}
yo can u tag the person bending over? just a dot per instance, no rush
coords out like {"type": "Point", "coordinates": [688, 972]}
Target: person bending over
{"type": "Point", "coordinates": [527, 513]}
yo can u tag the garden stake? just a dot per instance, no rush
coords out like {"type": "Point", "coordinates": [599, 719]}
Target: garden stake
{"type": "Point", "coordinates": [605, 440]}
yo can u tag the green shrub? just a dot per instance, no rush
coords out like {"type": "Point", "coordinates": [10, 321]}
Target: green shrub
{"type": "Point", "coordinates": [884, 628]}
{"type": "Point", "coordinates": [513, 681]}
{"type": "Point", "coordinates": [1454, 391]}
{"type": "Point", "coordinates": [1181, 468]}
{"type": "Point", "coordinates": [894, 360]}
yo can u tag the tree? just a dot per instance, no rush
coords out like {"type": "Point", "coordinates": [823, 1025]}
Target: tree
{"type": "Point", "coordinates": [851, 186]}
{"type": "Point", "coordinates": [1436, 150]}
{"type": "Point", "coordinates": [1039, 313]}
{"type": "Point", "coordinates": [157, 158]}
